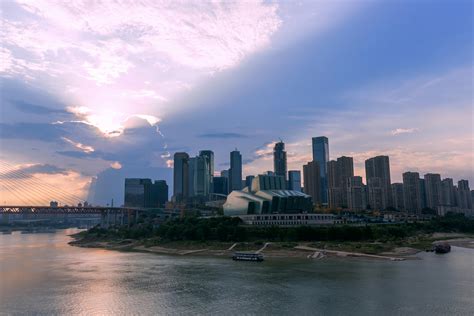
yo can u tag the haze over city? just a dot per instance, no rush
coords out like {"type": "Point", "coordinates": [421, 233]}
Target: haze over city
{"type": "Point", "coordinates": [119, 91]}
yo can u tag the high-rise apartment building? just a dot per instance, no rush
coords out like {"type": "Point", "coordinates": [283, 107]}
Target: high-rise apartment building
{"type": "Point", "coordinates": [294, 180]}
{"type": "Point", "coordinates": [356, 195]}
{"type": "Point", "coordinates": [321, 156]}
{"type": "Point", "coordinates": [379, 167]}
{"type": "Point", "coordinates": [180, 176]}
{"type": "Point", "coordinates": [338, 172]}
{"type": "Point", "coordinates": [279, 160]}
{"type": "Point", "coordinates": [398, 196]}
{"type": "Point", "coordinates": [448, 194]}
{"type": "Point", "coordinates": [235, 171]}
{"type": "Point", "coordinates": [412, 192]}
{"type": "Point", "coordinates": [433, 190]}
{"type": "Point", "coordinates": [312, 181]}
{"type": "Point", "coordinates": [463, 195]}
{"type": "Point", "coordinates": [376, 193]}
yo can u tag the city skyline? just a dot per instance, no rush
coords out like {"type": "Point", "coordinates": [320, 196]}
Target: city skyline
{"type": "Point", "coordinates": [111, 98]}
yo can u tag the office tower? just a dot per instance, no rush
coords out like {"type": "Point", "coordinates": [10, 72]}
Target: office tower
{"type": "Point", "coordinates": [338, 172]}
{"type": "Point", "coordinates": [463, 195]}
{"type": "Point", "coordinates": [135, 192]}
{"type": "Point", "coordinates": [180, 176]}
{"type": "Point", "coordinates": [235, 171]}
{"type": "Point", "coordinates": [375, 193]}
{"type": "Point", "coordinates": [225, 174]}
{"type": "Point", "coordinates": [221, 185]}
{"type": "Point", "coordinates": [397, 194]}
{"type": "Point", "coordinates": [448, 197]}
{"type": "Point", "coordinates": [379, 167]}
{"type": "Point", "coordinates": [199, 182]}
{"type": "Point", "coordinates": [294, 180]}
{"type": "Point", "coordinates": [321, 156]}
{"type": "Point", "coordinates": [412, 192]}
{"type": "Point", "coordinates": [433, 190]}
{"type": "Point", "coordinates": [279, 160]}
{"type": "Point", "coordinates": [356, 195]}
{"type": "Point", "coordinates": [248, 181]}
{"type": "Point", "coordinates": [209, 155]}
{"type": "Point", "coordinates": [144, 193]}
{"type": "Point", "coordinates": [156, 194]}
{"type": "Point", "coordinates": [312, 181]}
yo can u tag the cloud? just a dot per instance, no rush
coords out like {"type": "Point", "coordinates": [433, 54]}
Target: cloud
{"type": "Point", "coordinates": [223, 135]}
{"type": "Point", "coordinates": [27, 171]}
{"type": "Point", "coordinates": [129, 57]}
{"type": "Point", "coordinates": [116, 165]}
{"type": "Point", "coordinates": [86, 149]}
{"type": "Point", "coordinates": [32, 131]}
{"type": "Point", "coordinates": [35, 108]}
{"type": "Point", "coordinates": [399, 131]}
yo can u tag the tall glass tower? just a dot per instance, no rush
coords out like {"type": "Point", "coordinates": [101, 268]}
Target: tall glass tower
{"type": "Point", "coordinates": [235, 171]}
{"type": "Point", "coordinates": [321, 156]}
{"type": "Point", "coordinates": [279, 160]}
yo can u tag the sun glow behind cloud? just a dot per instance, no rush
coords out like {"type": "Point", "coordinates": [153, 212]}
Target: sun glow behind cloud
{"type": "Point", "coordinates": [117, 59]}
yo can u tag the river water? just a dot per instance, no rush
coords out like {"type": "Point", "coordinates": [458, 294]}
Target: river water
{"type": "Point", "coordinates": [42, 274]}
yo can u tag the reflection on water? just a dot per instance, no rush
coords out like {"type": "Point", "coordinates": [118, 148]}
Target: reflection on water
{"type": "Point", "coordinates": [41, 274]}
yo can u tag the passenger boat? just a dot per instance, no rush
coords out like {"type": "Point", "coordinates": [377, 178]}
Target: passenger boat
{"type": "Point", "coordinates": [442, 248]}
{"type": "Point", "coordinates": [247, 256]}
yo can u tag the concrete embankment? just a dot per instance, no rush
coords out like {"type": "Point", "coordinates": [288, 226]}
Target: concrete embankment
{"type": "Point", "coordinates": [349, 254]}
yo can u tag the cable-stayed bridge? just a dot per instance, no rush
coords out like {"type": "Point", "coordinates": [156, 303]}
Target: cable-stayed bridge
{"type": "Point", "coordinates": [35, 200]}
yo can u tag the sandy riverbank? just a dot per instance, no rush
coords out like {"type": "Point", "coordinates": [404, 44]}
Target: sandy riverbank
{"type": "Point", "coordinates": [277, 250]}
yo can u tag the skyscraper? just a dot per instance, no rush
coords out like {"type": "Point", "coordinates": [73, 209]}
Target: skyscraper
{"type": "Point", "coordinates": [158, 194]}
{"type": "Point", "coordinates": [379, 167]}
{"type": "Point", "coordinates": [433, 190]}
{"type": "Point", "coordinates": [279, 160]}
{"type": "Point", "coordinates": [235, 171]}
{"type": "Point", "coordinates": [221, 185]}
{"type": "Point", "coordinates": [412, 192]}
{"type": "Point", "coordinates": [294, 180]}
{"type": "Point", "coordinates": [312, 181]}
{"type": "Point", "coordinates": [145, 193]}
{"type": "Point", "coordinates": [200, 176]}
{"type": "Point", "coordinates": [321, 156]}
{"type": "Point", "coordinates": [338, 172]}
{"type": "Point", "coordinates": [180, 176]}
{"type": "Point", "coordinates": [135, 192]}
{"type": "Point", "coordinates": [209, 155]}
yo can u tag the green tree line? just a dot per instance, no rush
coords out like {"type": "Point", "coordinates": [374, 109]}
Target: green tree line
{"type": "Point", "coordinates": [227, 229]}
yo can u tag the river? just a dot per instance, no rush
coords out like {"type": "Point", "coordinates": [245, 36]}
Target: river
{"type": "Point", "coordinates": [41, 274]}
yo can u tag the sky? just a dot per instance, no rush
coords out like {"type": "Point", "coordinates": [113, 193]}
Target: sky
{"type": "Point", "coordinates": [93, 92]}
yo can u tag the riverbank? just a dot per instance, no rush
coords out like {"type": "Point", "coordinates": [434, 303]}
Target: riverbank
{"type": "Point", "coordinates": [374, 250]}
